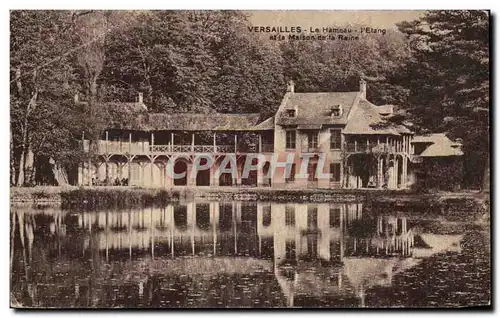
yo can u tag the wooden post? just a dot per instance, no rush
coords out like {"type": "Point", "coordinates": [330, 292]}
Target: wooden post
{"type": "Point", "coordinates": [215, 147]}
{"type": "Point", "coordinates": [260, 143]}
{"type": "Point", "coordinates": [152, 176]}
{"type": "Point", "coordinates": [106, 141]}
{"type": "Point", "coordinates": [152, 141]}
{"type": "Point", "coordinates": [355, 145]}
{"type": "Point", "coordinates": [235, 143]}
{"type": "Point", "coordinates": [192, 142]}
{"type": "Point", "coordinates": [130, 142]}
{"type": "Point", "coordinates": [172, 138]}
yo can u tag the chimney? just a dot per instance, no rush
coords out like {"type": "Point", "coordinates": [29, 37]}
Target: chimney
{"type": "Point", "coordinates": [290, 87]}
{"type": "Point", "coordinates": [362, 88]}
{"type": "Point", "coordinates": [76, 98]}
{"type": "Point", "coordinates": [141, 100]}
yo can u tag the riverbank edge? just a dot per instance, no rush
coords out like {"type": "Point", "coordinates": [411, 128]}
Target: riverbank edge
{"type": "Point", "coordinates": [80, 195]}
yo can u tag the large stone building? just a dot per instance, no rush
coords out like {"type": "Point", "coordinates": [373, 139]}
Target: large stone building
{"type": "Point", "coordinates": [315, 140]}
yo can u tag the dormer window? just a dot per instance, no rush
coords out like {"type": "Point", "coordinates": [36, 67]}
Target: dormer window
{"type": "Point", "coordinates": [291, 112]}
{"type": "Point", "coordinates": [336, 111]}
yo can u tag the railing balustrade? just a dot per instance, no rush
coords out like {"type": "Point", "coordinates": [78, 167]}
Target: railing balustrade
{"type": "Point", "coordinates": [225, 148]}
{"type": "Point", "coordinates": [124, 147]}
{"type": "Point", "coordinates": [363, 147]}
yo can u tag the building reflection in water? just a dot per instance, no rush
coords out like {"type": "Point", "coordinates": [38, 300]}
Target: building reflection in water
{"type": "Point", "coordinates": [330, 253]}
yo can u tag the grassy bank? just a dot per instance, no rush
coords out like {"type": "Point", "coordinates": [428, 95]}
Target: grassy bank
{"type": "Point", "coordinates": [116, 196]}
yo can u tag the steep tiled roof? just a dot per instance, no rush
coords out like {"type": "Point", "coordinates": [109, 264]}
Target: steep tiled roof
{"type": "Point", "coordinates": [365, 118]}
{"type": "Point", "coordinates": [267, 124]}
{"type": "Point", "coordinates": [440, 146]}
{"type": "Point", "coordinates": [191, 122]}
{"type": "Point", "coordinates": [315, 108]}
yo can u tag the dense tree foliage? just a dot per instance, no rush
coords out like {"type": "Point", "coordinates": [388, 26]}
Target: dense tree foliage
{"type": "Point", "coordinates": [447, 76]}
{"type": "Point", "coordinates": [436, 68]}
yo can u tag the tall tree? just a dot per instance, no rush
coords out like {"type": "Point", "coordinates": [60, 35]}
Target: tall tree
{"type": "Point", "coordinates": [321, 66]}
{"type": "Point", "coordinates": [448, 80]}
{"type": "Point", "coordinates": [40, 76]}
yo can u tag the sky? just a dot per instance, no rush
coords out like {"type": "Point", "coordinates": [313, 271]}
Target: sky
{"type": "Point", "coordinates": [375, 19]}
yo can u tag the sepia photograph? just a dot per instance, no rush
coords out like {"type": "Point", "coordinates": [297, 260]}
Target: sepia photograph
{"type": "Point", "coordinates": [253, 159]}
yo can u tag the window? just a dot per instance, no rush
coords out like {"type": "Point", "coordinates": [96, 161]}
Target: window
{"type": "Point", "coordinates": [336, 111]}
{"type": "Point", "coordinates": [335, 172]}
{"type": "Point", "coordinates": [290, 139]}
{"type": "Point", "coordinates": [290, 215]}
{"type": "Point", "coordinates": [334, 217]}
{"type": "Point", "coordinates": [266, 215]}
{"type": "Point", "coordinates": [312, 217]}
{"type": "Point", "coordinates": [312, 139]}
{"type": "Point", "coordinates": [311, 171]}
{"type": "Point", "coordinates": [335, 139]}
{"type": "Point", "coordinates": [291, 112]}
{"type": "Point", "coordinates": [291, 177]}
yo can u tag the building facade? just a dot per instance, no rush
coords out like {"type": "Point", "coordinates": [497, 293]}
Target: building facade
{"type": "Point", "coordinates": [315, 140]}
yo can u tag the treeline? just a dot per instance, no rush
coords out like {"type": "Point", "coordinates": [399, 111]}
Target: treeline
{"type": "Point", "coordinates": [436, 69]}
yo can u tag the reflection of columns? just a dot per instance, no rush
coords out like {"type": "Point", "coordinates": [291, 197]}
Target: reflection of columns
{"type": "Point", "coordinates": [214, 226]}
{"type": "Point", "coordinates": [152, 233]}
{"type": "Point", "coordinates": [130, 234]}
{"type": "Point", "coordinates": [172, 225]}
{"type": "Point", "coordinates": [233, 210]}
{"type": "Point", "coordinates": [342, 213]}
{"type": "Point", "coordinates": [107, 232]}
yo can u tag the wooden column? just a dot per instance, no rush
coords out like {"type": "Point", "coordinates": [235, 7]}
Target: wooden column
{"type": "Point", "coordinates": [107, 135]}
{"type": "Point", "coordinates": [89, 169]}
{"type": "Point", "coordinates": [192, 142]}
{"type": "Point", "coordinates": [215, 146]}
{"type": "Point", "coordinates": [260, 143]}
{"type": "Point", "coordinates": [235, 143]}
{"type": "Point", "coordinates": [172, 139]}
{"type": "Point", "coordinates": [151, 181]}
{"type": "Point", "coordinates": [152, 141]}
{"type": "Point", "coordinates": [106, 159]}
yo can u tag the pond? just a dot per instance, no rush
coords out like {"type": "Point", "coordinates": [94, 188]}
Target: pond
{"type": "Point", "coordinates": [247, 254]}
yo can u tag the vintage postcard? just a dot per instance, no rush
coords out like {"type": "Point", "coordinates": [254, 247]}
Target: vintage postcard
{"type": "Point", "coordinates": [255, 159]}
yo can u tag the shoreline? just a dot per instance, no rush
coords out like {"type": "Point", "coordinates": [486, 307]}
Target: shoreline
{"type": "Point", "coordinates": [62, 195]}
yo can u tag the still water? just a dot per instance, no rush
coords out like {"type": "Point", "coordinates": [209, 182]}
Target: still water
{"type": "Point", "coordinates": [247, 254]}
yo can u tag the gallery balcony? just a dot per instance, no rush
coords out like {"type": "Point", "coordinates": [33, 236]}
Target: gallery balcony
{"type": "Point", "coordinates": [364, 147]}
{"type": "Point", "coordinates": [144, 148]}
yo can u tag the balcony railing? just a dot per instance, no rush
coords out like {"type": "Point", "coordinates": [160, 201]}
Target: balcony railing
{"type": "Point", "coordinates": [415, 159]}
{"type": "Point", "coordinates": [362, 147]}
{"type": "Point", "coordinates": [124, 147]}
